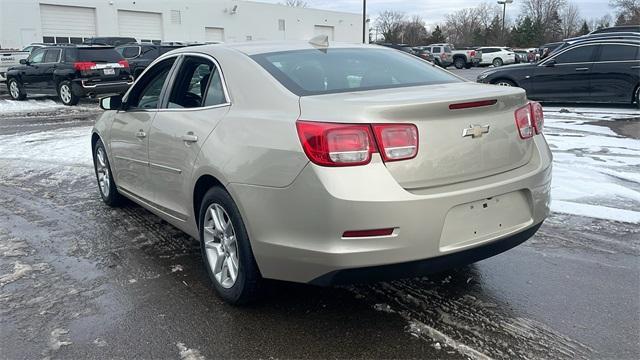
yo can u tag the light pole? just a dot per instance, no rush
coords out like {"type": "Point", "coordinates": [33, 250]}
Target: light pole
{"type": "Point", "coordinates": [504, 13]}
{"type": "Point", "coordinates": [364, 21]}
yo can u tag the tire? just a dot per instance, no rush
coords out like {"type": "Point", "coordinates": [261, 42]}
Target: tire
{"type": "Point", "coordinates": [504, 82]}
{"type": "Point", "coordinates": [437, 62]}
{"type": "Point", "coordinates": [459, 63]}
{"type": "Point", "coordinates": [16, 90]}
{"type": "Point", "coordinates": [638, 97]}
{"type": "Point", "coordinates": [468, 66]}
{"type": "Point", "coordinates": [225, 245]}
{"type": "Point", "coordinates": [497, 62]}
{"type": "Point", "coordinates": [65, 92]}
{"type": "Point", "coordinates": [104, 176]}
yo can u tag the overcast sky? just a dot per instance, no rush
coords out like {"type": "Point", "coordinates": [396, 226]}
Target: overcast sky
{"type": "Point", "coordinates": [433, 11]}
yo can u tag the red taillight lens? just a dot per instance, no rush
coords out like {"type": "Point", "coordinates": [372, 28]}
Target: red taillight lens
{"type": "Point", "coordinates": [124, 63]}
{"type": "Point", "coordinates": [368, 233]}
{"type": "Point", "coordinates": [396, 141]}
{"type": "Point", "coordinates": [83, 65]}
{"type": "Point", "coordinates": [524, 121]}
{"type": "Point", "coordinates": [331, 144]}
{"type": "Point", "coordinates": [472, 53]}
{"type": "Point", "coordinates": [537, 116]}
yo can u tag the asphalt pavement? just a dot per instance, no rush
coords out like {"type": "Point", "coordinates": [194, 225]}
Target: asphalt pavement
{"type": "Point", "coordinates": [81, 280]}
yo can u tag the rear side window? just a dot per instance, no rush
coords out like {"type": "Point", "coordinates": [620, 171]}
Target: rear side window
{"type": "Point", "coordinates": [580, 54]}
{"type": "Point", "coordinates": [436, 49]}
{"type": "Point", "coordinates": [129, 51]}
{"type": "Point", "coordinates": [52, 56]}
{"type": "Point", "coordinates": [619, 53]}
{"type": "Point", "coordinates": [108, 55]}
{"type": "Point", "coordinates": [315, 72]}
{"type": "Point", "coordinates": [197, 84]}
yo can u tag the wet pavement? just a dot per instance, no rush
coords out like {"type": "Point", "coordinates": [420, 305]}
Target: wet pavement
{"type": "Point", "coordinates": [81, 280]}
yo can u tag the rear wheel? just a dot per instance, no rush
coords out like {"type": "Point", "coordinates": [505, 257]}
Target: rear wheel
{"type": "Point", "coordinates": [226, 249]}
{"type": "Point", "coordinates": [497, 62]}
{"type": "Point", "coordinates": [504, 82]}
{"type": "Point", "coordinates": [638, 97]}
{"type": "Point", "coordinates": [16, 90]}
{"type": "Point", "coordinates": [459, 63]}
{"type": "Point", "coordinates": [66, 93]}
{"type": "Point", "coordinates": [468, 66]}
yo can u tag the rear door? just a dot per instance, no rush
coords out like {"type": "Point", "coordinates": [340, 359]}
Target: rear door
{"type": "Point", "coordinates": [50, 64]}
{"type": "Point", "coordinates": [565, 76]}
{"type": "Point", "coordinates": [129, 132]}
{"type": "Point", "coordinates": [196, 102]}
{"type": "Point", "coordinates": [616, 73]}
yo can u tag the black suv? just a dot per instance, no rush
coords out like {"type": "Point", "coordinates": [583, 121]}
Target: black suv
{"type": "Point", "coordinates": [109, 40]}
{"type": "Point", "coordinates": [140, 56]}
{"type": "Point", "coordinates": [71, 72]}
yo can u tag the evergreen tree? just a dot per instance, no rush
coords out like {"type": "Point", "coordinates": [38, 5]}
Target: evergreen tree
{"type": "Point", "coordinates": [437, 36]}
{"type": "Point", "coordinates": [584, 30]}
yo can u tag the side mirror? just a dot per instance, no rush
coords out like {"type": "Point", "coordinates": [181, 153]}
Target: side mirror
{"type": "Point", "coordinates": [111, 102]}
{"type": "Point", "coordinates": [550, 63]}
{"type": "Point", "coordinates": [24, 62]}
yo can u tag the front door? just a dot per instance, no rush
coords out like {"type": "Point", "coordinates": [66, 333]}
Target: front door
{"type": "Point", "coordinates": [31, 73]}
{"type": "Point", "coordinates": [564, 77]}
{"type": "Point", "coordinates": [195, 105]}
{"type": "Point", "coordinates": [130, 130]}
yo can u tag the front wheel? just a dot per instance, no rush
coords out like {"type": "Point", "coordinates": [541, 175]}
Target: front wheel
{"type": "Point", "coordinates": [106, 185]}
{"type": "Point", "coordinates": [226, 249]}
{"type": "Point", "coordinates": [497, 62]}
{"type": "Point", "coordinates": [504, 82]}
{"type": "Point", "coordinates": [66, 93]}
{"type": "Point", "coordinates": [16, 90]}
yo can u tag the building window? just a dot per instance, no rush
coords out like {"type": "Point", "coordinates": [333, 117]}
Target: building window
{"type": "Point", "coordinates": [75, 40]}
{"type": "Point", "coordinates": [62, 40]}
{"type": "Point", "coordinates": [281, 25]}
{"type": "Point", "coordinates": [176, 17]}
{"type": "Point", "coordinates": [249, 37]}
{"type": "Point", "coordinates": [48, 39]}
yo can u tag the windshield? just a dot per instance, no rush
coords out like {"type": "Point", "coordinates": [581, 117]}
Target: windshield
{"type": "Point", "coordinates": [315, 72]}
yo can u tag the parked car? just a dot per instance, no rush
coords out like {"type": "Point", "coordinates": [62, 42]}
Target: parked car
{"type": "Point", "coordinates": [466, 57]}
{"type": "Point", "coordinates": [402, 47]}
{"type": "Point", "coordinates": [8, 59]}
{"type": "Point", "coordinates": [352, 163]}
{"type": "Point", "coordinates": [423, 54]}
{"type": "Point", "coordinates": [615, 29]}
{"type": "Point", "coordinates": [606, 71]}
{"type": "Point", "coordinates": [109, 40]}
{"type": "Point", "coordinates": [442, 54]}
{"type": "Point", "coordinates": [140, 56]}
{"type": "Point", "coordinates": [497, 56]}
{"type": "Point", "coordinates": [522, 55]}
{"type": "Point", "coordinates": [600, 36]}
{"type": "Point", "coordinates": [71, 72]}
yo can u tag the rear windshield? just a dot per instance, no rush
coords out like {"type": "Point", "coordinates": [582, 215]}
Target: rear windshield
{"type": "Point", "coordinates": [99, 55]}
{"type": "Point", "coordinates": [327, 71]}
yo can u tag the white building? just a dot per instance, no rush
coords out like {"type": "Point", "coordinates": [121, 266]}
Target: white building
{"type": "Point", "coordinates": [26, 21]}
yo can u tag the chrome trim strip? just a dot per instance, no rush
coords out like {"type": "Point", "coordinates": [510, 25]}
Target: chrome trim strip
{"type": "Point", "coordinates": [106, 84]}
{"type": "Point", "coordinates": [166, 168]}
{"type": "Point", "coordinates": [149, 204]}
{"type": "Point", "coordinates": [141, 162]}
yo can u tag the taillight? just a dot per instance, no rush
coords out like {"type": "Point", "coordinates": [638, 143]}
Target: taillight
{"type": "Point", "coordinates": [537, 116]}
{"type": "Point", "coordinates": [83, 65]}
{"type": "Point", "coordinates": [524, 121]}
{"type": "Point", "coordinates": [443, 56]}
{"type": "Point", "coordinates": [331, 144]}
{"type": "Point", "coordinates": [396, 141]}
{"type": "Point", "coordinates": [368, 233]}
{"type": "Point", "coordinates": [472, 53]}
{"type": "Point", "coordinates": [124, 63]}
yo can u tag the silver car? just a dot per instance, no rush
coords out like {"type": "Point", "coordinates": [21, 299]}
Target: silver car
{"type": "Point", "coordinates": [324, 164]}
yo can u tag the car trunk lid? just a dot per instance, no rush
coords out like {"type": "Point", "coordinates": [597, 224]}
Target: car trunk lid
{"type": "Point", "coordinates": [443, 114]}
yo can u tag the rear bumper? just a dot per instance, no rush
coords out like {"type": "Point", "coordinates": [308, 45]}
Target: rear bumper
{"type": "Point", "coordinates": [82, 87]}
{"type": "Point", "coordinates": [296, 231]}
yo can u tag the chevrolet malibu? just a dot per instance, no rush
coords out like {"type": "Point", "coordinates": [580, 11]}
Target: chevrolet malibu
{"type": "Point", "coordinates": [324, 164]}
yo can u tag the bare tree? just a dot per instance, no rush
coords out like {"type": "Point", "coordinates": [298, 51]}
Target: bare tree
{"type": "Point", "coordinates": [296, 3]}
{"type": "Point", "coordinates": [543, 11]}
{"type": "Point", "coordinates": [570, 16]}
{"type": "Point", "coordinates": [414, 31]}
{"type": "Point", "coordinates": [390, 24]}
{"type": "Point", "coordinates": [628, 11]}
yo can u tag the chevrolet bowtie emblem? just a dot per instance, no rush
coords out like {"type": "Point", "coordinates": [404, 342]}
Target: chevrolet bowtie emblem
{"type": "Point", "coordinates": [475, 131]}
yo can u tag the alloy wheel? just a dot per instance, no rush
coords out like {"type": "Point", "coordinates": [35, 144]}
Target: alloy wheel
{"type": "Point", "coordinates": [65, 93]}
{"type": "Point", "coordinates": [103, 172]}
{"type": "Point", "coordinates": [221, 246]}
{"type": "Point", "coordinates": [14, 90]}
{"type": "Point", "coordinates": [504, 83]}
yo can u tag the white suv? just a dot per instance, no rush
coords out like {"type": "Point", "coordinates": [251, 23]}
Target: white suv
{"type": "Point", "coordinates": [497, 56]}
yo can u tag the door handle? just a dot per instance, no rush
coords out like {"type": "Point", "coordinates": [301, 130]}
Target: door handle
{"type": "Point", "coordinates": [582, 69]}
{"type": "Point", "coordinates": [141, 134]}
{"type": "Point", "coordinates": [636, 67]}
{"type": "Point", "coordinates": [189, 138]}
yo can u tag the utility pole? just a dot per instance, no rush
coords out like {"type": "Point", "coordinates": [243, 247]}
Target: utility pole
{"type": "Point", "coordinates": [504, 15]}
{"type": "Point", "coordinates": [364, 21]}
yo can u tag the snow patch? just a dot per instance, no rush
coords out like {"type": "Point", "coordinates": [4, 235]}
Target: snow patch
{"type": "Point", "coordinates": [596, 211]}
{"type": "Point", "coordinates": [176, 268]}
{"type": "Point", "coordinates": [19, 270]}
{"type": "Point", "coordinates": [13, 106]}
{"type": "Point", "coordinates": [189, 354]}
{"type": "Point", "coordinates": [421, 329]}
{"type": "Point", "coordinates": [54, 339]}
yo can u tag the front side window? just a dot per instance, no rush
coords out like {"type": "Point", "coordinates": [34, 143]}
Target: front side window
{"type": "Point", "coordinates": [52, 55]}
{"type": "Point", "coordinates": [619, 53]}
{"type": "Point", "coordinates": [146, 92]}
{"type": "Point", "coordinates": [37, 56]}
{"type": "Point", "coordinates": [314, 72]}
{"type": "Point", "coordinates": [580, 54]}
{"type": "Point", "coordinates": [197, 84]}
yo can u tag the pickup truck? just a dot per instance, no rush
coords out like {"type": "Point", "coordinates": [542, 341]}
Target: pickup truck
{"type": "Point", "coordinates": [10, 58]}
{"type": "Point", "coordinates": [466, 57]}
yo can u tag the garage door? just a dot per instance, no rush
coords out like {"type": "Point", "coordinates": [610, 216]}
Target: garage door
{"type": "Point", "coordinates": [324, 30]}
{"type": "Point", "coordinates": [144, 26]}
{"type": "Point", "coordinates": [65, 24]}
{"type": "Point", "coordinates": [213, 34]}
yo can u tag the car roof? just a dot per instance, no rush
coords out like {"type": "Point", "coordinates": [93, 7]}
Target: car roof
{"type": "Point", "coordinates": [262, 47]}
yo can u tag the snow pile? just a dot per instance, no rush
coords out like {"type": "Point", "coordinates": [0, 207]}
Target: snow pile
{"type": "Point", "coordinates": [596, 171]}
{"type": "Point", "coordinates": [189, 354]}
{"type": "Point", "coordinates": [13, 106]}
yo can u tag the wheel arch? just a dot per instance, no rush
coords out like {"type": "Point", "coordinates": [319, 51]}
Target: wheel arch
{"type": "Point", "coordinates": [201, 186]}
